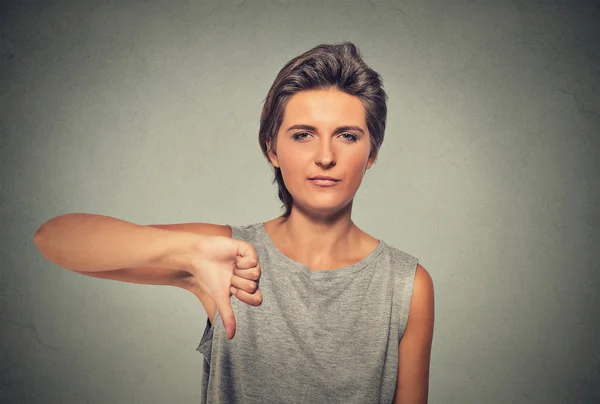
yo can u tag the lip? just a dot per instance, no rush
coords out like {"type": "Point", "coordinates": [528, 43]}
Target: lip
{"type": "Point", "coordinates": [324, 177]}
{"type": "Point", "coordinates": [324, 183]}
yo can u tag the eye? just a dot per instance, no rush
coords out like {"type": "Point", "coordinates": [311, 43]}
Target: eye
{"type": "Point", "coordinates": [350, 136]}
{"type": "Point", "coordinates": [299, 136]}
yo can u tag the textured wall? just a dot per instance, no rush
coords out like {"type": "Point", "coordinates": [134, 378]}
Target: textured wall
{"type": "Point", "coordinates": [148, 111]}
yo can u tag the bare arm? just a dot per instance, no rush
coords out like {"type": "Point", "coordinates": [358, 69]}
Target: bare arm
{"type": "Point", "coordinates": [84, 242]}
{"type": "Point", "coordinates": [199, 257]}
{"type": "Point", "coordinates": [415, 346]}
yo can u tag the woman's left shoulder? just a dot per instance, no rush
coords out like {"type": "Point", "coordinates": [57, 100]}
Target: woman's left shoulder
{"type": "Point", "coordinates": [423, 288]}
{"type": "Point", "coordinates": [422, 274]}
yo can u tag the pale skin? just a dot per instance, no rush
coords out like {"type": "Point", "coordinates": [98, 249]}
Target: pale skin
{"type": "Point", "coordinates": [319, 232]}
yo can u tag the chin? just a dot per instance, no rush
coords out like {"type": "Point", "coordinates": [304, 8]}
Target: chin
{"type": "Point", "coordinates": [324, 209]}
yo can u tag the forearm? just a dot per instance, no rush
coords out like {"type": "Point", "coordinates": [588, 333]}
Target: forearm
{"type": "Point", "coordinates": [88, 243]}
{"type": "Point", "coordinates": [146, 276]}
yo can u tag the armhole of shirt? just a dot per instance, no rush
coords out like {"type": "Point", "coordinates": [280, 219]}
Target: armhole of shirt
{"type": "Point", "coordinates": [205, 345]}
{"type": "Point", "coordinates": [406, 287]}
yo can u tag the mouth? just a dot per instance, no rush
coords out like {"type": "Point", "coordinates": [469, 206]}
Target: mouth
{"type": "Point", "coordinates": [324, 178]}
{"type": "Point", "coordinates": [324, 181]}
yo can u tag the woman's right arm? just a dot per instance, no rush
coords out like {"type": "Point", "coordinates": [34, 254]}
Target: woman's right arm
{"type": "Point", "coordinates": [85, 242]}
{"type": "Point", "coordinates": [89, 244]}
{"type": "Point", "coordinates": [199, 257]}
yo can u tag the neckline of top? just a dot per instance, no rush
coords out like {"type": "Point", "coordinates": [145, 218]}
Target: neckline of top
{"type": "Point", "coordinates": [298, 266]}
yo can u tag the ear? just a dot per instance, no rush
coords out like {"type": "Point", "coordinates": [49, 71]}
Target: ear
{"type": "Point", "coordinates": [272, 155]}
{"type": "Point", "coordinates": [371, 160]}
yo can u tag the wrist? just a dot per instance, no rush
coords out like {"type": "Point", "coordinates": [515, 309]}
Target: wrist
{"type": "Point", "coordinates": [180, 248]}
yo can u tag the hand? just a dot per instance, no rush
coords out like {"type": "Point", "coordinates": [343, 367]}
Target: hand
{"type": "Point", "coordinates": [222, 266]}
{"type": "Point", "coordinates": [245, 279]}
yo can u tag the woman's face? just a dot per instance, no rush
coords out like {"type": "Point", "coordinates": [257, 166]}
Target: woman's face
{"type": "Point", "coordinates": [324, 132]}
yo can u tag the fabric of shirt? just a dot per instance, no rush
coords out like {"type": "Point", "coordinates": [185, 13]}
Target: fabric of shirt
{"type": "Point", "coordinates": [319, 336]}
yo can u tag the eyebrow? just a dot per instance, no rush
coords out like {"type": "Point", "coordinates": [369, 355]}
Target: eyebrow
{"type": "Point", "coordinates": [339, 129]}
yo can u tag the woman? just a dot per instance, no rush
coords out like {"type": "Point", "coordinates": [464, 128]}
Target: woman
{"type": "Point", "coordinates": [340, 316]}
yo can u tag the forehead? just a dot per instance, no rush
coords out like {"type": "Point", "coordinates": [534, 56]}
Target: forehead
{"type": "Point", "coordinates": [323, 107]}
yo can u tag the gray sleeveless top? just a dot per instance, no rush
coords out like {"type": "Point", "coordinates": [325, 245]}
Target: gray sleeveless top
{"type": "Point", "coordinates": [327, 336]}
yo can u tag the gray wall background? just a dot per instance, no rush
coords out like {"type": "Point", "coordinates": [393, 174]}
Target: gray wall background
{"type": "Point", "coordinates": [149, 111]}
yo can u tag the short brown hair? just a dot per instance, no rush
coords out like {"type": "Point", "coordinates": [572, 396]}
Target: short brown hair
{"type": "Point", "coordinates": [324, 66]}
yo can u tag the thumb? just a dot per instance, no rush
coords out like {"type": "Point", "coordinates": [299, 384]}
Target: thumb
{"type": "Point", "coordinates": [246, 251]}
{"type": "Point", "coordinates": [223, 304]}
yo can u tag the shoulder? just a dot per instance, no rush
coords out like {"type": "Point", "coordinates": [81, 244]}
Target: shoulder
{"type": "Point", "coordinates": [402, 261]}
{"type": "Point", "coordinates": [411, 274]}
{"type": "Point", "coordinates": [423, 281]}
{"type": "Point", "coordinates": [422, 303]}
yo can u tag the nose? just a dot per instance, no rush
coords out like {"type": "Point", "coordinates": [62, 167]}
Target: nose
{"type": "Point", "coordinates": [325, 157]}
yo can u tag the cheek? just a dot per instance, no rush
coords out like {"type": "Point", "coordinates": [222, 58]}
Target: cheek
{"type": "Point", "coordinates": [292, 162]}
{"type": "Point", "coordinates": [289, 171]}
{"type": "Point", "coordinates": [358, 161]}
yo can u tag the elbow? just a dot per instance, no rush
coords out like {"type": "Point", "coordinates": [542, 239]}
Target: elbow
{"type": "Point", "coordinates": [38, 236]}
{"type": "Point", "coordinates": [43, 241]}
{"type": "Point", "coordinates": [40, 240]}
{"type": "Point", "coordinates": [44, 233]}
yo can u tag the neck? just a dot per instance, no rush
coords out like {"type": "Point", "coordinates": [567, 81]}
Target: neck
{"type": "Point", "coordinates": [317, 241]}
